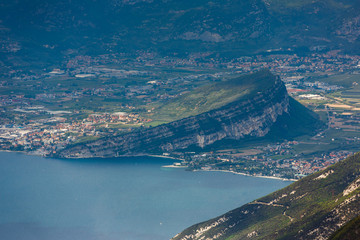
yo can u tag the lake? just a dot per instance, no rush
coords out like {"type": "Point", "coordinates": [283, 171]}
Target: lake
{"type": "Point", "coordinates": [131, 198]}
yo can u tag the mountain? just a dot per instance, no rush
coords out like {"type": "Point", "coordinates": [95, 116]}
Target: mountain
{"type": "Point", "coordinates": [36, 31]}
{"type": "Point", "coordinates": [258, 107]}
{"type": "Point", "coordinates": [311, 208]}
{"type": "Point", "coordinates": [213, 96]}
{"type": "Point", "coordinates": [349, 231]}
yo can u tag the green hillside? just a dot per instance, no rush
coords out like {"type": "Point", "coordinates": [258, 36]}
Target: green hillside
{"type": "Point", "coordinates": [214, 96]}
{"type": "Point", "coordinates": [350, 231]}
{"type": "Point", "coordinates": [311, 208]}
{"type": "Point", "coordinates": [298, 121]}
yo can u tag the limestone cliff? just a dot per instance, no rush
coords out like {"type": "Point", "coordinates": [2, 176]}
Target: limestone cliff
{"type": "Point", "coordinates": [252, 116]}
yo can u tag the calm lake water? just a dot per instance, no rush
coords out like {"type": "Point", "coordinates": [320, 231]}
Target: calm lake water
{"type": "Point", "coordinates": [113, 199]}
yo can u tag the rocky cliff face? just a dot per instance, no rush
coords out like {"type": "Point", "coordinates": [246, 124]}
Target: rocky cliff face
{"type": "Point", "coordinates": [252, 117]}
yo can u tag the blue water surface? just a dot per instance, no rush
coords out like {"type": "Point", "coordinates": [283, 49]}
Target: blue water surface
{"type": "Point", "coordinates": [113, 199]}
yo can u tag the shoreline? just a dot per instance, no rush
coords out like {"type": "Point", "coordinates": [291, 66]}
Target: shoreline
{"type": "Point", "coordinates": [249, 175]}
{"type": "Point", "coordinates": [171, 166]}
{"type": "Point", "coordinates": [9, 151]}
{"type": "Point", "coordinates": [162, 156]}
{"type": "Point", "coordinates": [244, 174]}
{"type": "Point", "coordinates": [133, 155]}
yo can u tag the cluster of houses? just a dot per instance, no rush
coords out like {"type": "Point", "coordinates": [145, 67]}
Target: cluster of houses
{"type": "Point", "coordinates": [277, 160]}
{"type": "Point", "coordinates": [53, 133]}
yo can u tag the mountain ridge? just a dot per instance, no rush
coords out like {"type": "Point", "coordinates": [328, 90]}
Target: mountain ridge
{"type": "Point", "coordinates": [311, 208]}
{"type": "Point", "coordinates": [251, 116]}
{"type": "Point", "coordinates": [172, 28]}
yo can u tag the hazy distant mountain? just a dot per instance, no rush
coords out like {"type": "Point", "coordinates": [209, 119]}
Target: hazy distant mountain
{"type": "Point", "coordinates": [45, 28]}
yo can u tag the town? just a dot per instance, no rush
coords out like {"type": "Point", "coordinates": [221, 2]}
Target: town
{"type": "Point", "coordinates": [87, 98]}
{"type": "Point", "coordinates": [277, 161]}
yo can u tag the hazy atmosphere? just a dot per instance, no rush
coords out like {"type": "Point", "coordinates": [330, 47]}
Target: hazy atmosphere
{"type": "Point", "coordinates": [163, 119]}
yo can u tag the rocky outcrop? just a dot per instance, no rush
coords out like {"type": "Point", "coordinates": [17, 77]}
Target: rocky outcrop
{"type": "Point", "coordinates": [314, 207]}
{"type": "Point", "coordinates": [252, 116]}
